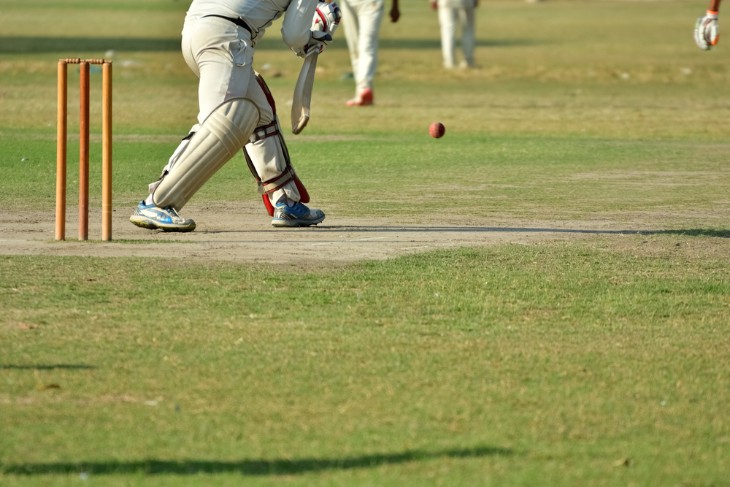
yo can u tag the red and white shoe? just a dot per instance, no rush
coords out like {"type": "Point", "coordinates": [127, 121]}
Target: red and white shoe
{"type": "Point", "coordinates": [365, 98]}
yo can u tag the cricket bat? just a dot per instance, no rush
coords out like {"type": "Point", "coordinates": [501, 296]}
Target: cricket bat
{"type": "Point", "coordinates": [300, 107]}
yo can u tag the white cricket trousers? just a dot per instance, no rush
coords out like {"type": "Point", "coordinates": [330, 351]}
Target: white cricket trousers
{"type": "Point", "coordinates": [220, 53]}
{"type": "Point", "coordinates": [453, 15]}
{"type": "Point", "coordinates": [362, 20]}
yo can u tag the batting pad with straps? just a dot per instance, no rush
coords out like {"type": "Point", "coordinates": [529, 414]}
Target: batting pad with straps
{"type": "Point", "coordinates": [226, 130]}
{"type": "Point", "coordinates": [269, 162]}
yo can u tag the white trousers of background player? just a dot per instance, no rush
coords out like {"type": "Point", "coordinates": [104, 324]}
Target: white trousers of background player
{"type": "Point", "coordinates": [457, 15]}
{"type": "Point", "coordinates": [221, 54]}
{"type": "Point", "coordinates": [362, 20]}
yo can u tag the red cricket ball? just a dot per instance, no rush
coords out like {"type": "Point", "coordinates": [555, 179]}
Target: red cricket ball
{"type": "Point", "coordinates": [436, 130]}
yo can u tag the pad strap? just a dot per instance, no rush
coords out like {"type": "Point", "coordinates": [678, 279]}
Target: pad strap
{"type": "Point", "coordinates": [275, 183]}
{"type": "Point", "coordinates": [265, 131]}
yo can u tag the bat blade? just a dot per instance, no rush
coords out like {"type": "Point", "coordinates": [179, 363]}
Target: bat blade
{"type": "Point", "coordinates": [300, 108]}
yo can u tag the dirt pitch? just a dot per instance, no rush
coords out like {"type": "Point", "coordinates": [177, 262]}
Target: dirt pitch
{"type": "Point", "coordinates": [244, 234]}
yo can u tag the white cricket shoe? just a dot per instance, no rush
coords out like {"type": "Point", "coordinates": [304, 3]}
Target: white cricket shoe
{"type": "Point", "coordinates": [156, 218]}
{"type": "Point", "coordinates": [298, 215]}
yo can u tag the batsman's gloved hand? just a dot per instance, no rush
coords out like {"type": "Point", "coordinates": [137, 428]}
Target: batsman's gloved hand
{"type": "Point", "coordinates": [316, 44]}
{"type": "Point", "coordinates": [327, 18]}
{"type": "Point", "coordinates": [707, 33]}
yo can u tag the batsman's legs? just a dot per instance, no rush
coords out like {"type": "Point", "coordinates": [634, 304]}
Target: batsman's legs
{"type": "Point", "coordinates": [218, 139]}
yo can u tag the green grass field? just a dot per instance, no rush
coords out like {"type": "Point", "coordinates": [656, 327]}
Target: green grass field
{"type": "Point", "coordinates": [597, 357]}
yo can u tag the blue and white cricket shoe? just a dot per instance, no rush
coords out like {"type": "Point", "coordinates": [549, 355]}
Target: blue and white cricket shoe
{"type": "Point", "coordinates": [298, 215]}
{"type": "Point", "coordinates": [156, 218]}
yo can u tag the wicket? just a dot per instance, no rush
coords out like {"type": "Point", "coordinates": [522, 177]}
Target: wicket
{"type": "Point", "coordinates": [106, 143]}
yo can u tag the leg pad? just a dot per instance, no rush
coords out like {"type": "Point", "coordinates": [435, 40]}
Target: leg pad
{"type": "Point", "coordinates": [223, 134]}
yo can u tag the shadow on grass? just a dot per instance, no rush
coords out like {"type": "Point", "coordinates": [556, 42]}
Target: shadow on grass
{"type": "Point", "coordinates": [692, 232]}
{"type": "Point", "coordinates": [695, 232]}
{"type": "Point", "coordinates": [247, 467]}
{"type": "Point", "coordinates": [71, 45]}
{"type": "Point", "coordinates": [19, 45]}
{"type": "Point", "coordinates": [46, 367]}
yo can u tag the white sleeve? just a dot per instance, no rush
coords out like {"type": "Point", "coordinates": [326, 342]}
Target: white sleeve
{"type": "Point", "coordinates": [297, 25]}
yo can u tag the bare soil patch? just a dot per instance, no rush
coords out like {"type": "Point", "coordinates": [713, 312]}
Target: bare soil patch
{"type": "Point", "coordinates": [242, 233]}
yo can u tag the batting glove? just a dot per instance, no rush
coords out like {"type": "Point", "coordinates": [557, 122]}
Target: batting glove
{"type": "Point", "coordinates": [326, 18]}
{"type": "Point", "coordinates": [706, 31]}
{"type": "Point", "coordinates": [316, 44]}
